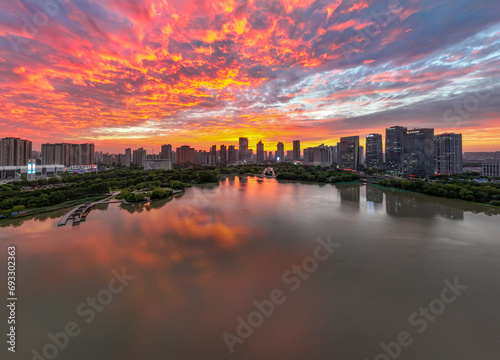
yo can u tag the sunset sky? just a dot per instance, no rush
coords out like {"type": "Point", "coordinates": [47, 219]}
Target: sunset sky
{"type": "Point", "coordinates": [129, 73]}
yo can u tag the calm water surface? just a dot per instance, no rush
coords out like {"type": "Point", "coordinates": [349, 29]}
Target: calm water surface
{"type": "Point", "coordinates": [202, 259]}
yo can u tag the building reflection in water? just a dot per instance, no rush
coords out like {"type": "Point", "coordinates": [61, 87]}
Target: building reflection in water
{"type": "Point", "coordinates": [406, 204]}
{"type": "Point", "coordinates": [350, 195]}
{"type": "Point", "coordinates": [374, 198]}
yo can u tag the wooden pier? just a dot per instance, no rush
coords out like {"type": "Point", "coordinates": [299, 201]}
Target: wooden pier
{"type": "Point", "coordinates": [77, 215]}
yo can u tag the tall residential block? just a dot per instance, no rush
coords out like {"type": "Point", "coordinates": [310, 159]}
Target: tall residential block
{"type": "Point", "coordinates": [448, 153]}
{"type": "Point", "coordinates": [166, 152]}
{"type": "Point", "coordinates": [374, 151]}
{"type": "Point", "coordinates": [260, 152]}
{"type": "Point", "coordinates": [223, 155]}
{"type": "Point", "coordinates": [231, 154]}
{"type": "Point", "coordinates": [68, 154]}
{"type": "Point", "coordinates": [243, 149]}
{"type": "Point", "coordinates": [15, 151]}
{"type": "Point", "coordinates": [349, 153]}
{"type": "Point", "coordinates": [418, 153]}
{"type": "Point", "coordinates": [394, 138]}
{"type": "Point", "coordinates": [308, 157]}
{"type": "Point", "coordinates": [185, 155]}
{"type": "Point", "coordinates": [128, 157]}
{"type": "Point", "coordinates": [296, 150]}
{"type": "Point", "coordinates": [138, 157]}
{"type": "Point", "coordinates": [280, 152]}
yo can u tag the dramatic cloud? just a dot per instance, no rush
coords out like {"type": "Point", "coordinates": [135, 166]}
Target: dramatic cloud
{"type": "Point", "coordinates": [147, 72]}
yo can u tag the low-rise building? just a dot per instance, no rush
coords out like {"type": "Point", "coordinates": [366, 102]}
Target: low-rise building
{"type": "Point", "coordinates": [16, 172]}
{"type": "Point", "coordinates": [491, 168]}
{"type": "Point", "coordinates": [157, 164]}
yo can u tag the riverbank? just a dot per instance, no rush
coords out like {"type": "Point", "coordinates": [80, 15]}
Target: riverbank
{"type": "Point", "coordinates": [477, 193]}
{"type": "Point", "coordinates": [52, 208]}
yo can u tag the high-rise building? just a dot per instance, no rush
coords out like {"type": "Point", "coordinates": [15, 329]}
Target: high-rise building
{"type": "Point", "coordinates": [166, 152]}
{"type": "Point", "coordinates": [205, 158]}
{"type": "Point", "coordinates": [87, 154]}
{"type": "Point", "coordinates": [308, 157]}
{"type": "Point", "coordinates": [374, 151]}
{"type": "Point", "coordinates": [128, 157]}
{"type": "Point", "coordinates": [48, 154]}
{"type": "Point", "coordinates": [418, 153]}
{"type": "Point", "coordinates": [138, 157]}
{"type": "Point", "coordinates": [318, 156]}
{"type": "Point", "coordinates": [244, 149]}
{"type": "Point", "coordinates": [296, 150]}
{"type": "Point", "coordinates": [65, 154]}
{"type": "Point", "coordinates": [250, 155]}
{"type": "Point", "coordinates": [448, 156]}
{"type": "Point", "coordinates": [321, 156]}
{"type": "Point", "coordinates": [68, 154]}
{"type": "Point", "coordinates": [335, 154]}
{"type": "Point", "coordinates": [231, 154]}
{"type": "Point", "coordinates": [349, 153]}
{"type": "Point", "coordinates": [223, 154]}
{"type": "Point", "coordinates": [185, 155]}
{"type": "Point", "coordinates": [15, 151]}
{"type": "Point", "coordinates": [213, 151]}
{"type": "Point", "coordinates": [394, 138]}
{"type": "Point", "coordinates": [260, 152]}
{"type": "Point", "coordinates": [280, 152]}
{"type": "Point", "coordinates": [338, 154]}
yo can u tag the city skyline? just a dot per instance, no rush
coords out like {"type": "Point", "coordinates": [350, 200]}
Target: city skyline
{"type": "Point", "coordinates": [205, 73]}
{"type": "Point", "coordinates": [247, 145]}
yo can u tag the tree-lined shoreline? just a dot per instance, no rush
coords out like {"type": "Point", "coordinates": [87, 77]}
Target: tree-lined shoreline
{"type": "Point", "coordinates": [135, 185]}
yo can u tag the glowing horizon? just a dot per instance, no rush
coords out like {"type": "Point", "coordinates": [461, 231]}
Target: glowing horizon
{"type": "Point", "coordinates": [145, 73]}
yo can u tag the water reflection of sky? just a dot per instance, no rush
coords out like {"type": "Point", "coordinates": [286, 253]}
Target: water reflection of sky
{"type": "Point", "coordinates": [202, 258]}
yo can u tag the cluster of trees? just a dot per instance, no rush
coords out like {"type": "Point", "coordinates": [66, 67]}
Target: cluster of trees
{"type": "Point", "coordinates": [177, 185]}
{"type": "Point", "coordinates": [314, 174]}
{"type": "Point", "coordinates": [131, 197]}
{"type": "Point", "coordinates": [22, 195]}
{"type": "Point", "coordinates": [153, 188]}
{"type": "Point", "coordinates": [13, 199]}
{"type": "Point", "coordinates": [242, 169]}
{"type": "Point", "coordinates": [156, 194]}
{"type": "Point", "coordinates": [488, 193]}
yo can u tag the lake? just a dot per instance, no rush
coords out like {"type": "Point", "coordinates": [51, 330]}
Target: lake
{"type": "Point", "coordinates": [259, 269]}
